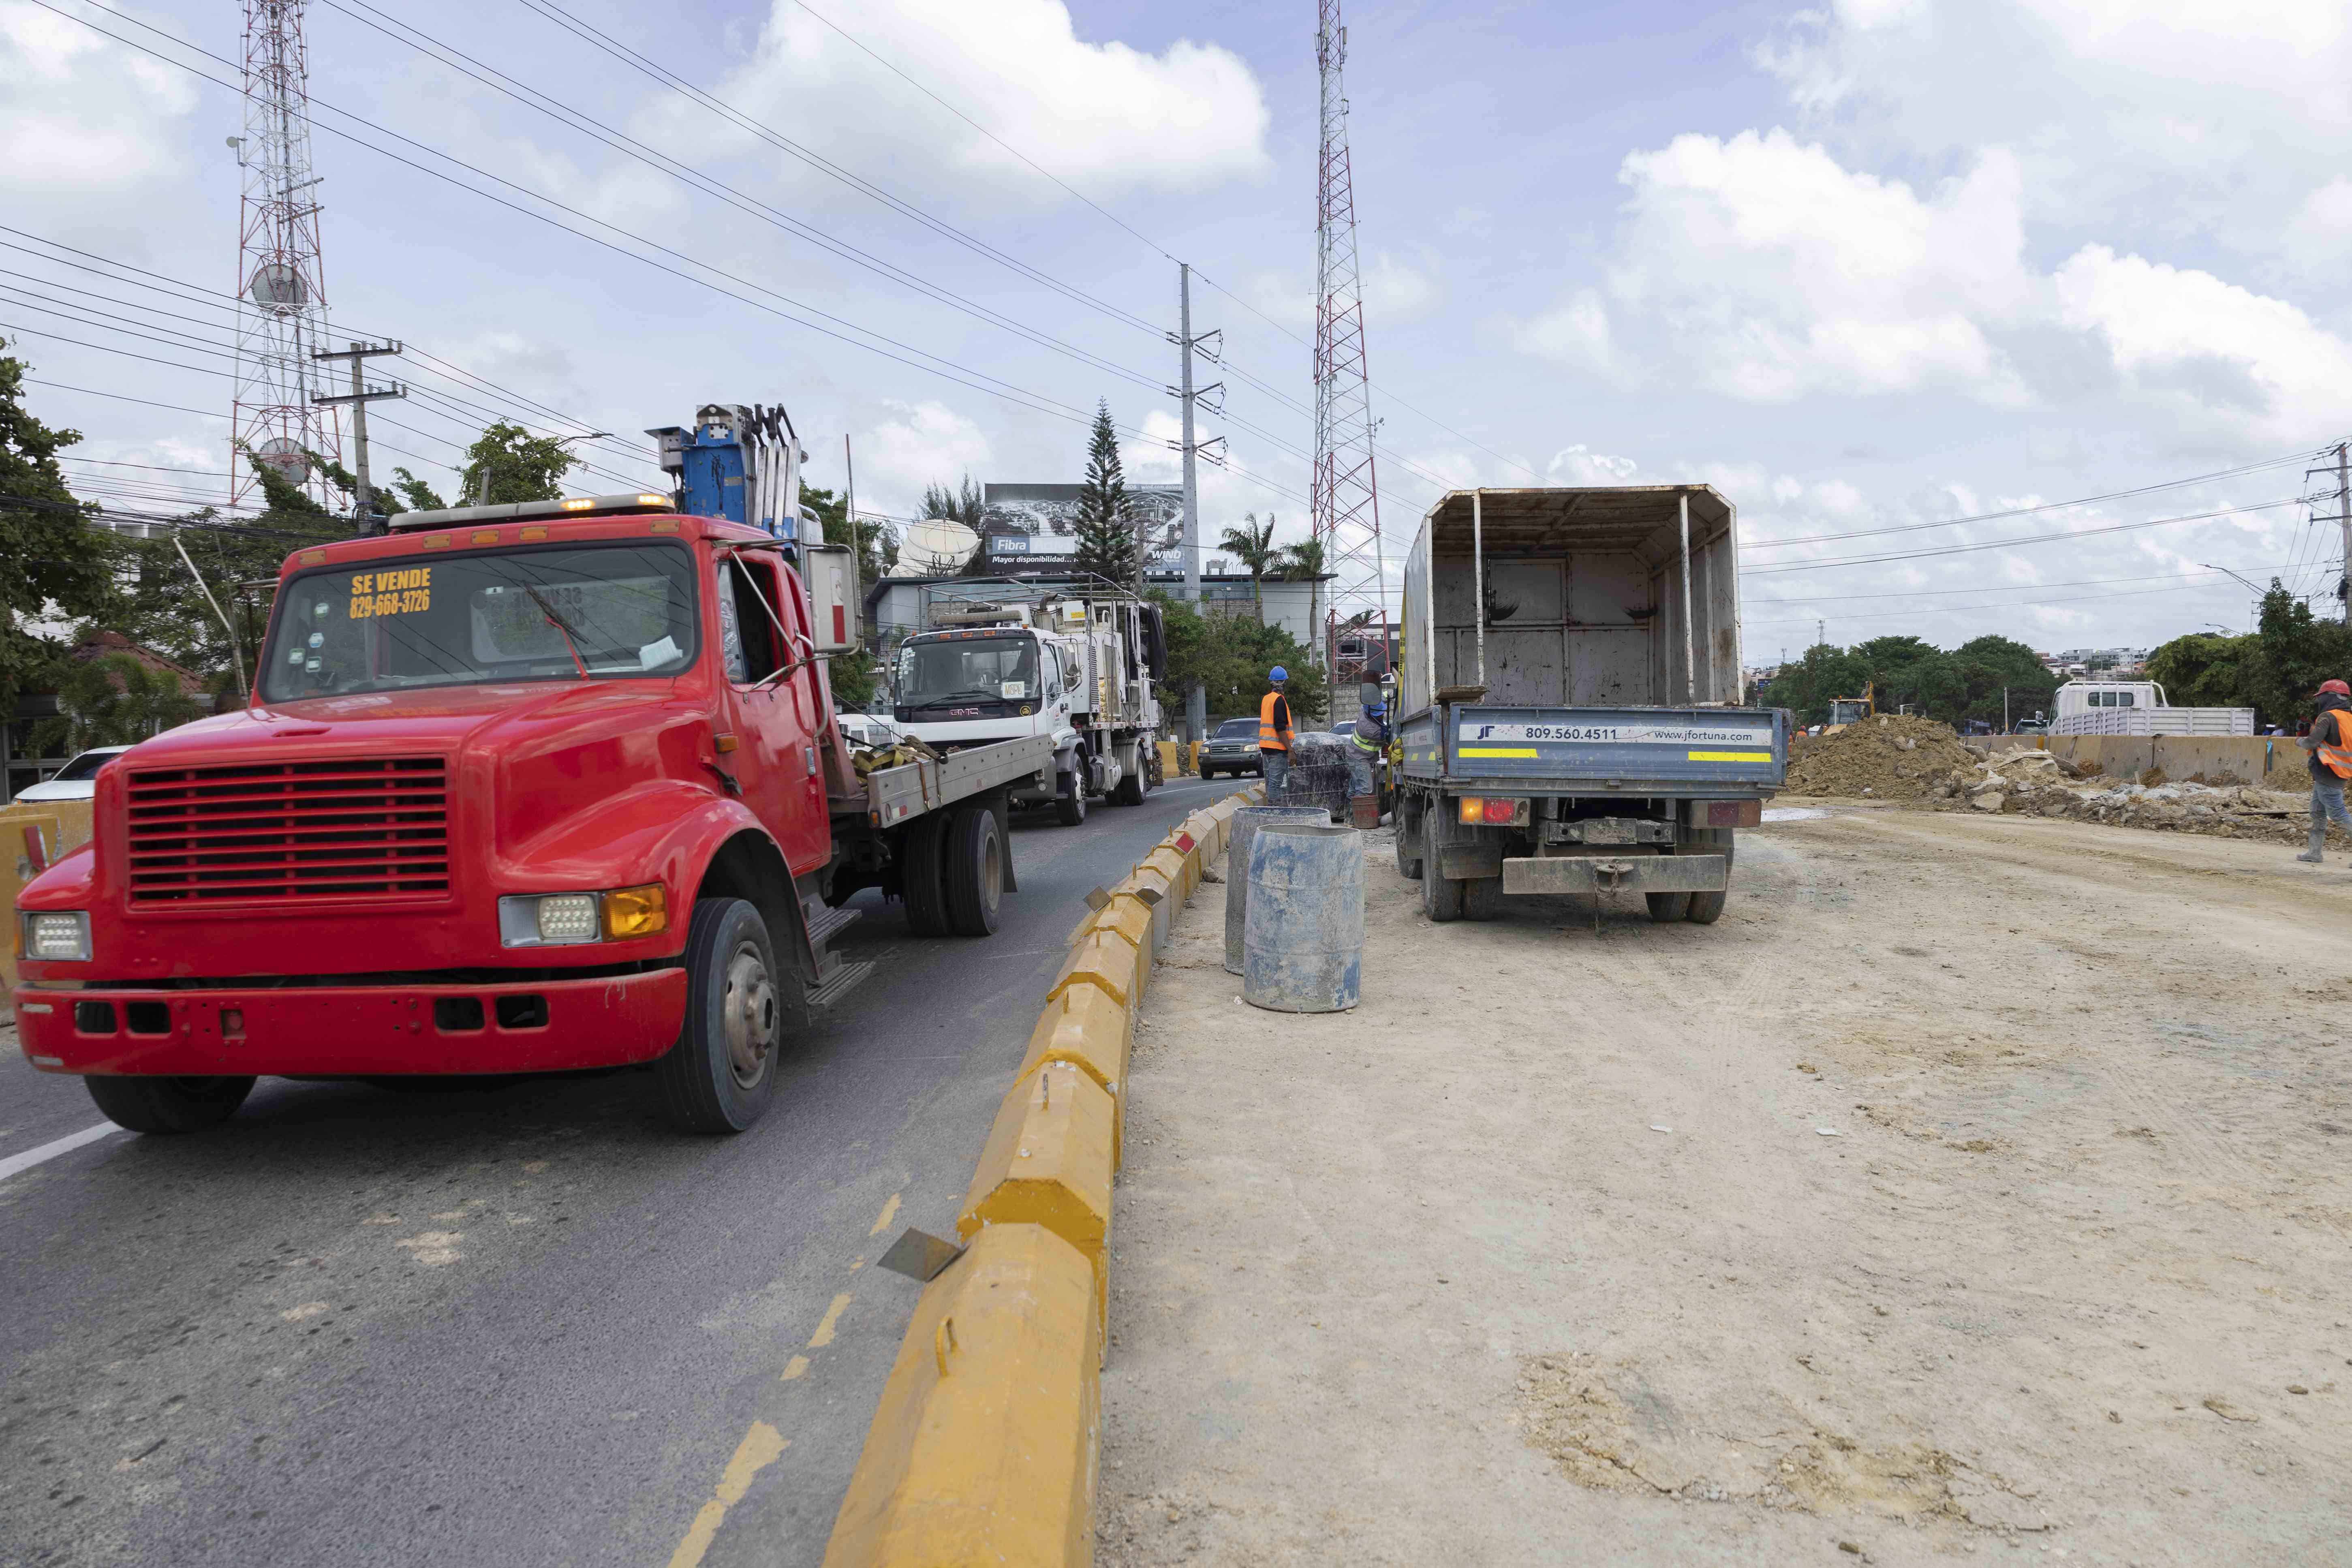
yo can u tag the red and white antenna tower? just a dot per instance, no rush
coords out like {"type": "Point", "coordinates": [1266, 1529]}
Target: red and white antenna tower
{"type": "Point", "coordinates": [281, 311]}
{"type": "Point", "coordinates": [1346, 503]}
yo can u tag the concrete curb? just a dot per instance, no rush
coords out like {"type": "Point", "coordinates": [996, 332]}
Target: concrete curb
{"type": "Point", "coordinates": [984, 1446]}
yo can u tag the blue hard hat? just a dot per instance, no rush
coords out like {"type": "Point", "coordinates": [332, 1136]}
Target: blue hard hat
{"type": "Point", "coordinates": [1277, 673]}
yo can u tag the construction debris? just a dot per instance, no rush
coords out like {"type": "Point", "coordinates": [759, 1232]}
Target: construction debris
{"type": "Point", "coordinates": [1890, 756]}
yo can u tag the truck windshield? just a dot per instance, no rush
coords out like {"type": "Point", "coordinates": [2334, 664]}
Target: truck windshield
{"type": "Point", "coordinates": [967, 668]}
{"type": "Point", "coordinates": [463, 620]}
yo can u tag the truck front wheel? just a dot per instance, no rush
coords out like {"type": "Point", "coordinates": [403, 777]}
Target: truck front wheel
{"type": "Point", "coordinates": [168, 1104]}
{"type": "Point", "coordinates": [1070, 805]}
{"type": "Point", "coordinates": [722, 1073]}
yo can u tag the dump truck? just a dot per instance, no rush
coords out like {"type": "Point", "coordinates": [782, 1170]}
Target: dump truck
{"type": "Point", "coordinates": [999, 660]}
{"type": "Point", "coordinates": [1571, 716]}
{"type": "Point", "coordinates": [529, 788]}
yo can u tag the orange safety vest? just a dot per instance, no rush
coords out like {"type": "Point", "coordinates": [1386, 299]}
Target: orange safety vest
{"type": "Point", "coordinates": [1268, 739]}
{"type": "Point", "coordinates": [2336, 758]}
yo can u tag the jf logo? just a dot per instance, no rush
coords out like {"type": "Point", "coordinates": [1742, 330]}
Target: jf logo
{"type": "Point", "coordinates": [1484, 730]}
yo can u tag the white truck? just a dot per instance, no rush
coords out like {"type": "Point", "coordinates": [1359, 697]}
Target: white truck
{"type": "Point", "coordinates": [1002, 663]}
{"type": "Point", "coordinates": [2138, 708]}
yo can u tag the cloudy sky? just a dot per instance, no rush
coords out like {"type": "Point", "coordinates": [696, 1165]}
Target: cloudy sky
{"type": "Point", "coordinates": [1867, 266]}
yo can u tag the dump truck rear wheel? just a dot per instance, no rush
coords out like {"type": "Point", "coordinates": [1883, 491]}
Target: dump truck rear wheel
{"type": "Point", "coordinates": [1706, 909]}
{"type": "Point", "coordinates": [1666, 907]}
{"type": "Point", "coordinates": [921, 881]}
{"type": "Point", "coordinates": [975, 871]}
{"type": "Point", "coordinates": [168, 1104]}
{"type": "Point", "coordinates": [722, 1073]}
{"type": "Point", "coordinates": [1440, 896]}
{"type": "Point", "coordinates": [1408, 847]}
{"type": "Point", "coordinates": [1481, 899]}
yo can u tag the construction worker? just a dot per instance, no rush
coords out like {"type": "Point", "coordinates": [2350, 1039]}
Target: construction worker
{"type": "Point", "coordinates": [2330, 745]}
{"type": "Point", "coordinates": [1274, 736]}
{"type": "Point", "coordinates": [1370, 746]}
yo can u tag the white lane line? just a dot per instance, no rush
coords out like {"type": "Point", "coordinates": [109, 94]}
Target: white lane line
{"type": "Point", "coordinates": [14, 1163]}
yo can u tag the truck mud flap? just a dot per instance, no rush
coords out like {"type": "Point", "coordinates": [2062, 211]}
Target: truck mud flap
{"type": "Point", "coordinates": [1631, 874]}
{"type": "Point", "coordinates": [1467, 862]}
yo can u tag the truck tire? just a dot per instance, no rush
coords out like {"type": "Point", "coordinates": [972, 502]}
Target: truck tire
{"type": "Point", "coordinates": [722, 1073]}
{"type": "Point", "coordinates": [922, 875]}
{"type": "Point", "coordinates": [167, 1104]}
{"type": "Point", "coordinates": [1129, 791]}
{"type": "Point", "coordinates": [1706, 909]}
{"type": "Point", "coordinates": [1482, 897]}
{"type": "Point", "coordinates": [1441, 897]}
{"type": "Point", "coordinates": [975, 870]}
{"type": "Point", "coordinates": [1070, 805]}
{"type": "Point", "coordinates": [1410, 860]}
{"type": "Point", "coordinates": [1666, 907]}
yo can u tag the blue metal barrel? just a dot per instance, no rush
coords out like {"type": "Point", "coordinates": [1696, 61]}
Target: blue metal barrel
{"type": "Point", "coordinates": [1303, 939]}
{"type": "Point", "coordinates": [1243, 828]}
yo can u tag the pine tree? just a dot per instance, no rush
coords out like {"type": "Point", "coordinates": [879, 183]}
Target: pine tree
{"type": "Point", "coordinates": [1105, 531]}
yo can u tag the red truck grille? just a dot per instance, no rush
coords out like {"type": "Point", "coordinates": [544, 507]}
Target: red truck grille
{"type": "Point", "coordinates": [264, 832]}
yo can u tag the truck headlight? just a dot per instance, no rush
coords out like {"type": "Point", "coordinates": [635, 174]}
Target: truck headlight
{"type": "Point", "coordinates": [61, 935]}
{"type": "Point", "coordinates": [569, 919]}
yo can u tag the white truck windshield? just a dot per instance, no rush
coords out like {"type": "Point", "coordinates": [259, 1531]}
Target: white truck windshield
{"type": "Point", "coordinates": [968, 669]}
{"type": "Point", "coordinates": [459, 620]}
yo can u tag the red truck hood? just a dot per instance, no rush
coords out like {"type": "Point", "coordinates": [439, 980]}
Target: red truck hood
{"type": "Point", "coordinates": [444, 721]}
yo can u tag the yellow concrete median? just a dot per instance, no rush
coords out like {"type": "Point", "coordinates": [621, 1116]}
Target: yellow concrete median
{"type": "Point", "coordinates": [984, 1449]}
{"type": "Point", "coordinates": [1107, 961]}
{"type": "Point", "coordinates": [1084, 1027]}
{"type": "Point", "coordinates": [1048, 1161]}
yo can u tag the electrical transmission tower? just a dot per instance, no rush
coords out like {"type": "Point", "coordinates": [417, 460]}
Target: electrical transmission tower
{"type": "Point", "coordinates": [1347, 505]}
{"type": "Point", "coordinates": [281, 311]}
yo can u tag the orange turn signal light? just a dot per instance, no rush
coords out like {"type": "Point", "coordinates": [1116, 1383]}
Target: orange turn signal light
{"type": "Point", "coordinates": [636, 911]}
{"type": "Point", "coordinates": [1496, 811]}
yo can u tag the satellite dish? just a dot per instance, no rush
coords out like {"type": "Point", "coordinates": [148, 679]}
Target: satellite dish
{"type": "Point", "coordinates": [287, 456]}
{"type": "Point", "coordinates": [938, 545]}
{"type": "Point", "coordinates": [276, 285]}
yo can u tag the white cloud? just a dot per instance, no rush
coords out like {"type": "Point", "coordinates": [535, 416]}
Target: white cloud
{"type": "Point", "coordinates": [1106, 117]}
{"type": "Point", "coordinates": [1396, 290]}
{"type": "Point", "coordinates": [2319, 236]}
{"type": "Point", "coordinates": [920, 443]}
{"type": "Point", "coordinates": [1575, 333]}
{"type": "Point", "coordinates": [51, 72]}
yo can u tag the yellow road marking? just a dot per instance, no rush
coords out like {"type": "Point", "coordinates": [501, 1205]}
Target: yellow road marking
{"type": "Point", "coordinates": [824, 1335]}
{"type": "Point", "coordinates": [1498, 751]}
{"type": "Point", "coordinates": [796, 1367]}
{"type": "Point", "coordinates": [755, 1453]}
{"type": "Point", "coordinates": [1731, 756]}
{"type": "Point", "coordinates": [889, 1213]}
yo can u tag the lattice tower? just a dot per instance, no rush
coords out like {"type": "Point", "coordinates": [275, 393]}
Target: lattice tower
{"type": "Point", "coordinates": [1347, 505]}
{"type": "Point", "coordinates": [281, 312]}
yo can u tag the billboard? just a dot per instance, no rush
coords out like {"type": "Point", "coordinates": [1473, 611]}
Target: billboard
{"type": "Point", "coordinates": [1045, 518]}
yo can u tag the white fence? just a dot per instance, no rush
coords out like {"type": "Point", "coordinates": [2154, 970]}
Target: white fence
{"type": "Point", "coordinates": [2157, 721]}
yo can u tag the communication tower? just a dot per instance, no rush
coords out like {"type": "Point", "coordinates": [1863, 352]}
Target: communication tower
{"type": "Point", "coordinates": [281, 298]}
{"type": "Point", "coordinates": [1347, 505]}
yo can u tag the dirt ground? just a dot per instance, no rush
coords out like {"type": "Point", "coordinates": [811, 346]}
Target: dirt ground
{"type": "Point", "coordinates": [1976, 1186]}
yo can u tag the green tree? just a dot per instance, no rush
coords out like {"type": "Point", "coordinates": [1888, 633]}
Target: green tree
{"type": "Point", "coordinates": [51, 562]}
{"type": "Point", "coordinates": [1230, 657]}
{"type": "Point", "coordinates": [856, 676]}
{"type": "Point", "coordinates": [1990, 665]}
{"type": "Point", "coordinates": [420, 495]}
{"type": "Point", "coordinates": [1806, 685]}
{"type": "Point", "coordinates": [1104, 527]}
{"type": "Point", "coordinates": [520, 466]}
{"type": "Point", "coordinates": [1304, 563]}
{"type": "Point", "coordinates": [116, 701]}
{"type": "Point", "coordinates": [2294, 652]}
{"type": "Point", "coordinates": [962, 505]}
{"type": "Point", "coordinates": [2204, 670]}
{"type": "Point", "coordinates": [1252, 545]}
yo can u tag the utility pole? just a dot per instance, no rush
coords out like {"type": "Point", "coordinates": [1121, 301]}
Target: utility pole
{"type": "Point", "coordinates": [1821, 633]}
{"type": "Point", "coordinates": [2344, 522]}
{"type": "Point", "coordinates": [359, 397]}
{"type": "Point", "coordinates": [1196, 700]}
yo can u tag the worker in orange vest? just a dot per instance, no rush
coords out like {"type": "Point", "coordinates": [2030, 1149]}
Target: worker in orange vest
{"type": "Point", "coordinates": [2330, 745]}
{"type": "Point", "coordinates": [1274, 736]}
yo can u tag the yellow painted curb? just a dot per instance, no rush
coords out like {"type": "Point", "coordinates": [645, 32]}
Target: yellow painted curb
{"type": "Point", "coordinates": [1168, 861]}
{"type": "Point", "coordinates": [1171, 759]}
{"type": "Point", "coordinates": [1108, 962]}
{"type": "Point", "coordinates": [1048, 1161]}
{"type": "Point", "coordinates": [1125, 915]}
{"type": "Point", "coordinates": [984, 1446]}
{"type": "Point", "coordinates": [1084, 1027]}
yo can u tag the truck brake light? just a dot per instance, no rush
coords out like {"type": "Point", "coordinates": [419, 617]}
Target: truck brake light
{"type": "Point", "coordinates": [1495, 811]}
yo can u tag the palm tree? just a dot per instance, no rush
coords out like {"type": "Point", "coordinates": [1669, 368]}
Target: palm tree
{"type": "Point", "coordinates": [1252, 545]}
{"type": "Point", "coordinates": [1305, 559]}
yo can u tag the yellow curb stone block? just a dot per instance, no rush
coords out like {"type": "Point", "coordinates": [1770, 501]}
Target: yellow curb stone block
{"type": "Point", "coordinates": [1171, 759]}
{"type": "Point", "coordinates": [1126, 914]}
{"type": "Point", "coordinates": [1048, 1161]}
{"type": "Point", "coordinates": [985, 1447]}
{"type": "Point", "coordinates": [1084, 1027]}
{"type": "Point", "coordinates": [1107, 961]}
{"type": "Point", "coordinates": [1168, 861]}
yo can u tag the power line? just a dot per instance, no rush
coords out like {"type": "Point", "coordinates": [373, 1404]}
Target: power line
{"type": "Point", "coordinates": [2031, 538]}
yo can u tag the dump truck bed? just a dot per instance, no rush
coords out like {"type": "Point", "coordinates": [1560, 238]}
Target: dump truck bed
{"type": "Point", "coordinates": [896, 794]}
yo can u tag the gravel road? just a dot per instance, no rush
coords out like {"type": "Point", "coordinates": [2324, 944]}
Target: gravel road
{"type": "Point", "coordinates": [1976, 1186]}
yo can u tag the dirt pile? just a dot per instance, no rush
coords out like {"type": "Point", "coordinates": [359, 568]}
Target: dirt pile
{"type": "Point", "coordinates": [2032, 784]}
{"type": "Point", "coordinates": [1890, 757]}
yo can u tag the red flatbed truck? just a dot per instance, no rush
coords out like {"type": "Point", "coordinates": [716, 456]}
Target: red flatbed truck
{"type": "Point", "coordinates": [521, 789]}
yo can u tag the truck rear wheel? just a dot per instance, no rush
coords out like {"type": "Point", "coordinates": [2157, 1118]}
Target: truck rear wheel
{"type": "Point", "coordinates": [1706, 909]}
{"type": "Point", "coordinates": [1481, 899]}
{"type": "Point", "coordinates": [1666, 907]}
{"type": "Point", "coordinates": [1129, 791]}
{"type": "Point", "coordinates": [167, 1104]}
{"type": "Point", "coordinates": [975, 870]}
{"type": "Point", "coordinates": [922, 882]}
{"type": "Point", "coordinates": [1440, 896]}
{"type": "Point", "coordinates": [722, 1073]}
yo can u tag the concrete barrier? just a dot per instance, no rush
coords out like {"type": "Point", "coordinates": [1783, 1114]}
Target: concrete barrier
{"type": "Point", "coordinates": [1125, 915]}
{"type": "Point", "coordinates": [1084, 1027]}
{"type": "Point", "coordinates": [1171, 759]}
{"type": "Point", "coordinates": [1048, 1162]}
{"type": "Point", "coordinates": [1108, 962]}
{"type": "Point", "coordinates": [984, 1446]}
{"type": "Point", "coordinates": [1168, 861]}
{"type": "Point", "coordinates": [2275, 761]}
{"type": "Point", "coordinates": [61, 825]}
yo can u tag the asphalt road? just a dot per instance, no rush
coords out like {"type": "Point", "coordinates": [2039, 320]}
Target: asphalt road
{"type": "Point", "coordinates": [526, 1326]}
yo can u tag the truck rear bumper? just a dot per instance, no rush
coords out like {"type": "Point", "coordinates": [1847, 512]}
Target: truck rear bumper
{"type": "Point", "coordinates": [1628, 873]}
{"type": "Point", "coordinates": [538, 1025]}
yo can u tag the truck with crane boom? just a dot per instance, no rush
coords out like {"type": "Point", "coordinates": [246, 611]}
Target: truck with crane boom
{"type": "Point", "coordinates": [536, 787]}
